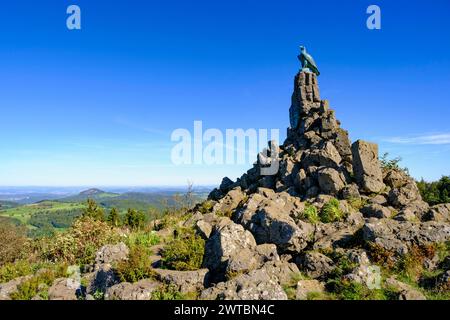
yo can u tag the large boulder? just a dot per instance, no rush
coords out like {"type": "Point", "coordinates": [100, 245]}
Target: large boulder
{"type": "Point", "coordinates": [111, 254]}
{"type": "Point", "coordinates": [230, 202]}
{"type": "Point", "coordinates": [330, 180]}
{"type": "Point", "coordinates": [272, 224]}
{"type": "Point", "coordinates": [64, 289]}
{"type": "Point", "coordinates": [141, 290]}
{"type": "Point", "coordinates": [104, 275]}
{"type": "Point", "coordinates": [185, 281]}
{"type": "Point", "coordinates": [404, 291]}
{"type": "Point", "coordinates": [256, 285]}
{"type": "Point", "coordinates": [376, 211]}
{"type": "Point", "coordinates": [338, 234]}
{"type": "Point", "coordinates": [230, 249]}
{"type": "Point", "coordinates": [315, 264]}
{"type": "Point", "coordinates": [440, 212]}
{"type": "Point", "coordinates": [366, 166]}
{"type": "Point", "coordinates": [396, 236]}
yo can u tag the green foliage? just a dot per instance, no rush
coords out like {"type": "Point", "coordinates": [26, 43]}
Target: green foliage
{"type": "Point", "coordinates": [12, 240]}
{"type": "Point", "coordinates": [311, 214]}
{"type": "Point", "coordinates": [38, 284]}
{"type": "Point", "coordinates": [137, 267]}
{"type": "Point", "coordinates": [94, 211]}
{"type": "Point", "coordinates": [135, 219]}
{"type": "Point", "coordinates": [349, 290]}
{"type": "Point", "coordinates": [114, 218]}
{"type": "Point", "coordinates": [185, 251]}
{"type": "Point", "coordinates": [435, 192]}
{"type": "Point", "coordinates": [391, 164]}
{"type": "Point", "coordinates": [357, 203]}
{"type": "Point", "coordinates": [167, 292]}
{"type": "Point", "coordinates": [79, 244]}
{"type": "Point", "coordinates": [206, 207]}
{"type": "Point", "coordinates": [143, 238]}
{"type": "Point", "coordinates": [14, 270]}
{"type": "Point", "coordinates": [331, 212]}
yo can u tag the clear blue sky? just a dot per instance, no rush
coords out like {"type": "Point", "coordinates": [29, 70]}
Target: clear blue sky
{"type": "Point", "coordinates": [97, 106]}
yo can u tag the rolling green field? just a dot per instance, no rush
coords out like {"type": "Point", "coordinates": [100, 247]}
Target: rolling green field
{"type": "Point", "coordinates": [49, 216]}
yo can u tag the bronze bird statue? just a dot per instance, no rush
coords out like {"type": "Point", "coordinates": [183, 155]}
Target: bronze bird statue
{"type": "Point", "coordinates": [307, 61]}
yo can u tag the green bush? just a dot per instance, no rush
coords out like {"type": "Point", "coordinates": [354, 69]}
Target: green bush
{"type": "Point", "coordinates": [113, 218]}
{"type": "Point", "coordinates": [206, 207]}
{"type": "Point", "coordinates": [137, 267]}
{"type": "Point", "coordinates": [38, 285]}
{"type": "Point", "coordinates": [331, 212]}
{"type": "Point", "coordinates": [311, 214]}
{"type": "Point", "coordinates": [143, 238]}
{"type": "Point", "coordinates": [79, 244]}
{"type": "Point", "coordinates": [11, 271]}
{"type": "Point", "coordinates": [93, 210]}
{"type": "Point", "coordinates": [184, 252]}
{"type": "Point", "coordinates": [167, 292]}
{"type": "Point", "coordinates": [391, 164]}
{"type": "Point", "coordinates": [135, 219]}
{"type": "Point", "coordinates": [12, 241]}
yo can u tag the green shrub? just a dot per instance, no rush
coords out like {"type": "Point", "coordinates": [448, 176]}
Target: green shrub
{"type": "Point", "coordinates": [11, 271]}
{"type": "Point", "coordinates": [206, 207]}
{"type": "Point", "coordinates": [357, 203]}
{"type": "Point", "coordinates": [143, 238]}
{"type": "Point", "coordinates": [114, 218]}
{"type": "Point", "coordinates": [391, 164]}
{"type": "Point", "coordinates": [311, 214]}
{"type": "Point", "coordinates": [184, 252]}
{"type": "Point", "coordinates": [79, 244]}
{"type": "Point", "coordinates": [93, 210]}
{"type": "Point", "coordinates": [135, 219]}
{"type": "Point", "coordinates": [137, 267]}
{"type": "Point", "coordinates": [12, 241]}
{"type": "Point", "coordinates": [167, 292]}
{"type": "Point", "coordinates": [38, 285]}
{"type": "Point", "coordinates": [331, 212]}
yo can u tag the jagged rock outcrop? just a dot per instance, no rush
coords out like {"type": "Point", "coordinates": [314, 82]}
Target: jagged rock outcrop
{"type": "Point", "coordinates": [321, 173]}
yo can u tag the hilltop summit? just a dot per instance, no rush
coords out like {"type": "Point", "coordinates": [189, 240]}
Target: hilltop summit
{"type": "Point", "coordinates": [329, 200]}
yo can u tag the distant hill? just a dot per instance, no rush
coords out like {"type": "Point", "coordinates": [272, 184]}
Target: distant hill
{"type": "Point", "coordinates": [95, 194]}
{"type": "Point", "coordinates": [137, 200]}
{"type": "Point", "coordinates": [8, 205]}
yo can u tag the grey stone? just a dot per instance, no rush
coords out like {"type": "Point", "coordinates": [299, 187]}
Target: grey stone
{"type": "Point", "coordinates": [366, 166]}
{"type": "Point", "coordinates": [185, 281]}
{"type": "Point", "coordinates": [315, 264]}
{"type": "Point", "coordinates": [307, 287]}
{"type": "Point", "coordinates": [376, 211]}
{"type": "Point", "coordinates": [330, 181]}
{"type": "Point", "coordinates": [141, 290]}
{"type": "Point", "coordinates": [64, 289]}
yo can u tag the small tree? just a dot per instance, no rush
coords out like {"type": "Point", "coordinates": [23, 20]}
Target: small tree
{"type": "Point", "coordinates": [114, 218]}
{"type": "Point", "coordinates": [12, 241]}
{"type": "Point", "coordinates": [135, 219]}
{"type": "Point", "coordinates": [94, 211]}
